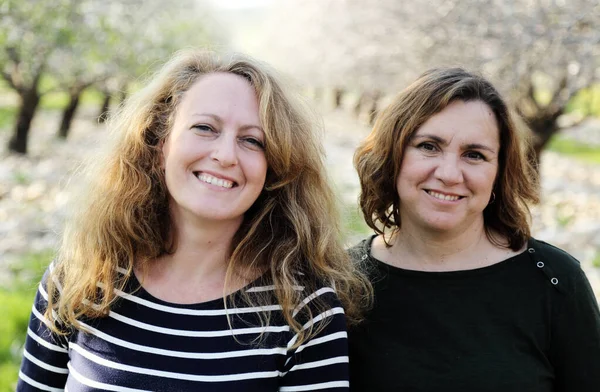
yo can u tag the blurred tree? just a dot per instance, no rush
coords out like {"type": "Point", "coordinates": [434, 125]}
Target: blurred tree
{"type": "Point", "coordinates": [86, 60]}
{"type": "Point", "coordinates": [541, 52]}
{"type": "Point", "coordinates": [122, 40]}
{"type": "Point", "coordinates": [79, 43]}
{"type": "Point", "coordinates": [30, 31]}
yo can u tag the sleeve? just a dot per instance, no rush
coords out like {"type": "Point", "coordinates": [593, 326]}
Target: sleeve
{"type": "Point", "coordinates": [576, 339]}
{"type": "Point", "coordinates": [45, 355]}
{"type": "Point", "coordinates": [320, 363]}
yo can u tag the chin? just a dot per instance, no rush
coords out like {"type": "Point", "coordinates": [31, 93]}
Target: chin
{"type": "Point", "coordinates": [441, 226]}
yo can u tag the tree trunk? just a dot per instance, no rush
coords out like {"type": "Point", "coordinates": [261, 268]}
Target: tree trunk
{"type": "Point", "coordinates": [543, 126]}
{"type": "Point", "coordinates": [69, 114]}
{"type": "Point", "coordinates": [358, 105]}
{"type": "Point", "coordinates": [103, 115]}
{"type": "Point", "coordinates": [337, 97]}
{"type": "Point", "coordinates": [123, 92]}
{"type": "Point", "coordinates": [29, 103]}
{"type": "Point", "coordinates": [374, 107]}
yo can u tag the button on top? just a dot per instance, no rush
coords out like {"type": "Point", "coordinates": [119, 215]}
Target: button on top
{"type": "Point", "coordinates": [364, 257]}
{"type": "Point", "coordinates": [531, 250]}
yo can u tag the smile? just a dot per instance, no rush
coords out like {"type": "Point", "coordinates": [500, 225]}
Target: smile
{"type": "Point", "coordinates": [207, 178]}
{"type": "Point", "coordinates": [442, 196]}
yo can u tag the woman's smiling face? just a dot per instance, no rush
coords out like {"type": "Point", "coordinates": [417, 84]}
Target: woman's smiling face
{"type": "Point", "coordinates": [214, 157]}
{"type": "Point", "coordinates": [449, 168]}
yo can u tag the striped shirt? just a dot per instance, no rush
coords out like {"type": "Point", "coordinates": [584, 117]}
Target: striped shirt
{"type": "Point", "coordinates": [146, 344]}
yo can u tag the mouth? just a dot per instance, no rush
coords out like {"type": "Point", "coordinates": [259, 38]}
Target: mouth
{"type": "Point", "coordinates": [443, 196]}
{"type": "Point", "coordinates": [210, 179]}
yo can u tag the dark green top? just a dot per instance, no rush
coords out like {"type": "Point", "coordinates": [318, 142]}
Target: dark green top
{"type": "Point", "coordinates": [528, 323]}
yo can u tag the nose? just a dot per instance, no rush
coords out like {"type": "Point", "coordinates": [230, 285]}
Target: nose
{"type": "Point", "coordinates": [225, 151]}
{"type": "Point", "coordinates": [448, 170]}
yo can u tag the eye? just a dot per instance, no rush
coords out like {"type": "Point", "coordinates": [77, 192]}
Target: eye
{"type": "Point", "coordinates": [253, 142]}
{"type": "Point", "coordinates": [475, 155]}
{"type": "Point", "coordinates": [203, 128]}
{"type": "Point", "coordinates": [427, 146]}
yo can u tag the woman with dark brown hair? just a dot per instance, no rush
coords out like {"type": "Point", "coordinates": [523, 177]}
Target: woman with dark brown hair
{"type": "Point", "coordinates": [465, 299]}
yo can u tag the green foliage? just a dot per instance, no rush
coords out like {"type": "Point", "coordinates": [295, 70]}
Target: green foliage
{"type": "Point", "coordinates": [15, 307]}
{"type": "Point", "coordinates": [564, 220]}
{"type": "Point", "coordinates": [58, 100]}
{"type": "Point", "coordinates": [54, 101]}
{"type": "Point", "coordinates": [21, 177]}
{"type": "Point", "coordinates": [7, 116]}
{"type": "Point", "coordinates": [92, 96]}
{"type": "Point", "coordinates": [63, 47]}
{"type": "Point", "coordinates": [575, 149]}
{"type": "Point", "coordinates": [586, 102]}
{"type": "Point", "coordinates": [596, 260]}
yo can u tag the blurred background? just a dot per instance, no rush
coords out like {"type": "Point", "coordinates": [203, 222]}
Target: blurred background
{"type": "Point", "coordinates": [65, 64]}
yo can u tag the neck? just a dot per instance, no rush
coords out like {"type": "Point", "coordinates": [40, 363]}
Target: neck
{"type": "Point", "coordinates": [196, 271]}
{"type": "Point", "coordinates": [428, 250]}
{"type": "Point", "coordinates": [202, 249]}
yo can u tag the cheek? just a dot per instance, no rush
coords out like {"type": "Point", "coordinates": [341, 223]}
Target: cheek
{"type": "Point", "coordinates": [161, 159]}
{"type": "Point", "coordinates": [259, 170]}
{"type": "Point", "coordinates": [403, 185]}
{"type": "Point", "coordinates": [492, 176]}
{"type": "Point", "coordinates": [484, 180]}
{"type": "Point", "coordinates": [413, 170]}
{"type": "Point", "coordinates": [165, 148]}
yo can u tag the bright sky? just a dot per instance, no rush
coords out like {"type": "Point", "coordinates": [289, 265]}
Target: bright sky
{"type": "Point", "coordinates": [240, 3]}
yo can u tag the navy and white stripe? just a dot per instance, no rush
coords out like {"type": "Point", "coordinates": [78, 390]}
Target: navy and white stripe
{"type": "Point", "coordinates": [146, 344]}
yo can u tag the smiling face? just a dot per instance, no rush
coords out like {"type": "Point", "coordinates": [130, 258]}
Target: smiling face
{"type": "Point", "coordinates": [449, 169]}
{"type": "Point", "coordinates": [214, 158]}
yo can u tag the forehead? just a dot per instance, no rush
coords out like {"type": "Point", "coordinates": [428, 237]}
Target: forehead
{"type": "Point", "coordinates": [221, 93]}
{"type": "Point", "coordinates": [471, 121]}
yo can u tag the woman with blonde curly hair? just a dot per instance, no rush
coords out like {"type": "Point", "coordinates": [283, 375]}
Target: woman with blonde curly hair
{"type": "Point", "coordinates": [204, 255]}
{"type": "Point", "coordinates": [465, 298]}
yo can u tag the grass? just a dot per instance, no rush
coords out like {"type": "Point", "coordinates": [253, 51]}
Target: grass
{"type": "Point", "coordinates": [7, 116]}
{"type": "Point", "coordinates": [575, 149]}
{"type": "Point", "coordinates": [353, 225]}
{"type": "Point", "coordinates": [15, 307]}
{"type": "Point", "coordinates": [596, 260]}
{"type": "Point", "coordinates": [21, 177]}
{"type": "Point", "coordinates": [60, 99]}
{"type": "Point", "coordinates": [56, 101]}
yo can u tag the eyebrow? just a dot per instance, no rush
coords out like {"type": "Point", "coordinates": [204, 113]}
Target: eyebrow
{"type": "Point", "coordinates": [220, 121]}
{"type": "Point", "coordinates": [442, 141]}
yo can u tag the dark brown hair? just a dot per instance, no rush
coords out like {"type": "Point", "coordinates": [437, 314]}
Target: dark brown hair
{"type": "Point", "coordinates": [379, 157]}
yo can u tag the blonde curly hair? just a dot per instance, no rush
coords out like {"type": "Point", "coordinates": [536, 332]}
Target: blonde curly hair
{"type": "Point", "coordinates": [290, 234]}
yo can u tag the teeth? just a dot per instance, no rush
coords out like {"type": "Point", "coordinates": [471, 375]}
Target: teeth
{"type": "Point", "coordinates": [441, 196]}
{"type": "Point", "coordinates": [214, 180]}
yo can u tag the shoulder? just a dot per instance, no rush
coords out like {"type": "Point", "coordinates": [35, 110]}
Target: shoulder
{"type": "Point", "coordinates": [317, 303]}
{"type": "Point", "coordinates": [321, 295]}
{"type": "Point", "coordinates": [360, 252]}
{"type": "Point", "coordinates": [563, 270]}
{"type": "Point", "coordinates": [50, 276]}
